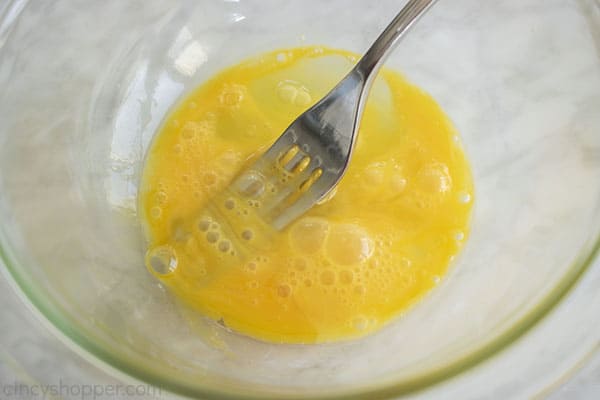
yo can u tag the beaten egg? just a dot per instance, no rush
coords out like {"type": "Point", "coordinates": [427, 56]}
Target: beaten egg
{"type": "Point", "coordinates": [368, 251]}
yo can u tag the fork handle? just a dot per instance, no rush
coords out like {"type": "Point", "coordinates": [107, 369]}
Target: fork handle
{"type": "Point", "coordinates": [372, 60]}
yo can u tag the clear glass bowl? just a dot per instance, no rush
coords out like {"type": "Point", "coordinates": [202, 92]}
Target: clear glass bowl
{"type": "Point", "coordinates": [85, 85]}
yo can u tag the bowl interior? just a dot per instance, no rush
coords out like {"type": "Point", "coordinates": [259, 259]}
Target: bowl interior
{"type": "Point", "coordinates": [87, 85]}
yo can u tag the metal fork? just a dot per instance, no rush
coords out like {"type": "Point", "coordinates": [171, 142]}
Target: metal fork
{"type": "Point", "coordinates": [308, 160]}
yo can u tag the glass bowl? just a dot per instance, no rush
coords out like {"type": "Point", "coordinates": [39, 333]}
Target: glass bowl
{"type": "Point", "coordinates": [86, 84]}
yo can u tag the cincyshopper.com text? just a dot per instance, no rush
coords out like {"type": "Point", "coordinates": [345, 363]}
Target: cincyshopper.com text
{"type": "Point", "coordinates": [63, 390]}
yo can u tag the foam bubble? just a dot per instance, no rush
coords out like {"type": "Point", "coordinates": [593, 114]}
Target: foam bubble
{"type": "Point", "coordinates": [162, 260]}
{"type": "Point", "coordinates": [284, 290]}
{"type": "Point", "coordinates": [292, 92]}
{"type": "Point", "coordinates": [360, 323]}
{"type": "Point", "coordinates": [212, 237]}
{"type": "Point", "coordinates": [300, 264]}
{"type": "Point", "coordinates": [303, 98]}
{"type": "Point", "coordinates": [156, 212]}
{"type": "Point", "coordinates": [251, 185]}
{"type": "Point", "coordinates": [397, 183]}
{"type": "Point", "coordinates": [360, 289]}
{"type": "Point", "coordinates": [224, 246]}
{"type": "Point", "coordinates": [464, 198]}
{"type": "Point", "coordinates": [287, 92]}
{"type": "Point", "coordinates": [374, 174]}
{"type": "Point", "coordinates": [349, 244]}
{"type": "Point", "coordinates": [162, 197]}
{"type": "Point", "coordinates": [232, 95]}
{"type": "Point", "coordinates": [405, 262]}
{"type": "Point", "coordinates": [327, 277]}
{"type": "Point", "coordinates": [308, 234]}
{"type": "Point", "coordinates": [346, 277]}
{"type": "Point", "coordinates": [209, 178]}
{"type": "Point", "coordinates": [434, 178]}
{"type": "Point", "coordinates": [189, 130]}
{"type": "Point", "coordinates": [229, 204]}
{"type": "Point", "coordinates": [204, 224]}
{"type": "Point", "coordinates": [247, 234]}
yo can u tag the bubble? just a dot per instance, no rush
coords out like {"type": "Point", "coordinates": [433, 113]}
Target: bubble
{"type": "Point", "coordinates": [327, 277]}
{"type": "Point", "coordinates": [405, 262]}
{"type": "Point", "coordinates": [464, 198]}
{"type": "Point", "coordinates": [161, 197]}
{"type": "Point", "coordinates": [349, 244]}
{"type": "Point", "coordinates": [229, 157]}
{"type": "Point", "coordinates": [397, 183]}
{"type": "Point", "coordinates": [229, 204]}
{"type": "Point", "coordinates": [436, 279]}
{"type": "Point", "coordinates": [253, 284]}
{"type": "Point", "coordinates": [209, 178]}
{"type": "Point", "coordinates": [251, 266]}
{"type": "Point", "coordinates": [346, 277]}
{"type": "Point", "coordinates": [204, 224]}
{"type": "Point", "coordinates": [360, 323]}
{"type": "Point", "coordinates": [287, 92]}
{"type": "Point", "coordinates": [308, 235]}
{"type": "Point", "coordinates": [284, 290]}
{"type": "Point", "coordinates": [292, 92]}
{"type": "Point", "coordinates": [373, 175]}
{"type": "Point", "coordinates": [303, 98]}
{"type": "Point", "coordinates": [251, 184]}
{"type": "Point", "coordinates": [212, 237]}
{"type": "Point", "coordinates": [189, 130]}
{"type": "Point", "coordinates": [162, 260]}
{"type": "Point", "coordinates": [300, 264]}
{"type": "Point", "coordinates": [281, 57]}
{"type": "Point", "coordinates": [247, 234]}
{"type": "Point", "coordinates": [434, 178]}
{"type": "Point", "coordinates": [232, 95]}
{"type": "Point", "coordinates": [224, 246]}
{"type": "Point", "coordinates": [360, 289]}
{"type": "Point", "coordinates": [459, 236]}
{"type": "Point", "coordinates": [155, 212]}
{"type": "Point", "coordinates": [307, 283]}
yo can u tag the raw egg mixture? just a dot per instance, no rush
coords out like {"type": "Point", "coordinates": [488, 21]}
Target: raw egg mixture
{"type": "Point", "coordinates": [381, 240]}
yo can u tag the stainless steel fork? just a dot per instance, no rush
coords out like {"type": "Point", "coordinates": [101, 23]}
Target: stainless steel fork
{"type": "Point", "coordinates": [310, 157]}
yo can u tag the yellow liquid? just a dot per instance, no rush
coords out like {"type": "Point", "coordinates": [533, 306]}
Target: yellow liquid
{"type": "Point", "coordinates": [349, 265]}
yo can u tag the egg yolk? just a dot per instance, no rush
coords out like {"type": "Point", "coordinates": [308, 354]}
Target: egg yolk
{"type": "Point", "coordinates": [367, 252]}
